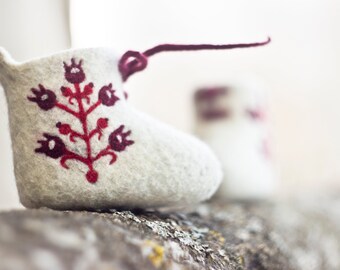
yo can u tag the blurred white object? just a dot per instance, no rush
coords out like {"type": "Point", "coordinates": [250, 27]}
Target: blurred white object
{"type": "Point", "coordinates": [232, 121]}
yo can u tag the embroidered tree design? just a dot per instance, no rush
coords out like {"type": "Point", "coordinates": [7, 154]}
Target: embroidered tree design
{"type": "Point", "coordinates": [80, 97]}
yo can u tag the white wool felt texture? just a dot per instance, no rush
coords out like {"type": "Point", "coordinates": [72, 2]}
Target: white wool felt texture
{"type": "Point", "coordinates": [238, 143]}
{"type": "Point", "coordinates": [163, 168]}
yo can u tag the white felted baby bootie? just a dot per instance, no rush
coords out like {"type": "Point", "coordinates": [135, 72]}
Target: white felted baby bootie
{"type": "Point", "coordinates": [231, 120]}
{"type": "Point", "coordinates": [78, 144]}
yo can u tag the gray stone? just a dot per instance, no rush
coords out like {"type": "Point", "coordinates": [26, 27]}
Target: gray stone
{"type": "Point", "coordinates": [216, 235]}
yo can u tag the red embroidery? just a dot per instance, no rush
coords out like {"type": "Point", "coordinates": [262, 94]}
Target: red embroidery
{"type": "Point", "coordinates": [207, 103]}
{"type": "Point", "coordinates": [256, 114]}
{"type": "Point", "coordinates": [54, 147]}
{"type": "Point", "coordinates": [210, 93]}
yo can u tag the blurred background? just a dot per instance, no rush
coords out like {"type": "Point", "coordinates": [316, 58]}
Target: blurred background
{"type": "Point", "coordinates": [300, 68]}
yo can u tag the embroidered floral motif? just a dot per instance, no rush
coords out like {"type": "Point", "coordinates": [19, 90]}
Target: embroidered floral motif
{"type": "Point", "coordinates": [45, 98]}
{"type": "Point", "coordinates": [52, 147]}
{"type": "Point", "coordinates": [74, 72]}
{"type": "Point", "coordinates": [80, 97]}
{"type": "Point", "coordinates": [118, 139]}
{"type": "Point", "coordinates": [107, 95]}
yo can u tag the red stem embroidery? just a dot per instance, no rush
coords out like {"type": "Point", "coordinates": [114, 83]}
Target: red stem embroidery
{"type": "Point", "coordinates": [66, 109]}
{"type": "Point", "coordinates": [93, 107]}
{"type": "Point", "coordinates": [54, 147]}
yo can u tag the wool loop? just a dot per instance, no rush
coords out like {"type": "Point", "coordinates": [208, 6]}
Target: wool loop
{"type": "Point", "coordinates": [133, 61]}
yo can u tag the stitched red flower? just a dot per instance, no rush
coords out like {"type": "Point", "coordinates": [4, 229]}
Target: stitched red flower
{"type": "Point", "coordinates": [118, 139]}
{"type": "Point", "coordinates": [66, 91]}
{"type": "Point", "coordinates": [64, 128]}
{"type": "Point", "coordinates": [88, 89]}
{"type": "Point", "coordinates": [74, 73]}
{"type": "Point", "coordinates": [107, 95]}
{"type": "Point", "coordinates": [92, 176]}
{"type": "Point", "coordinates": [45, 98]}
{"type": "Point", "coordinates": [52, 147]}
{"type": "Point", "coordinates": [102, 123]}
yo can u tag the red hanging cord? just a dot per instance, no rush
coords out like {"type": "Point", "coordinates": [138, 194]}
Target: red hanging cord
{"type": "Point", "coordinates": [133, 61]}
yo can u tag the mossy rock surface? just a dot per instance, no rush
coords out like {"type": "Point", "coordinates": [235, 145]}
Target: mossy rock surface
{"type": "Point", "coordinates": [216, 235]}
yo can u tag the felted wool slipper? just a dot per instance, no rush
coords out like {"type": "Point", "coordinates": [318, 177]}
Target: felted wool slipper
{"type": "Point", "coordinates": [231, 120]}
{"type": "Point", "coordinates": [78, 144]}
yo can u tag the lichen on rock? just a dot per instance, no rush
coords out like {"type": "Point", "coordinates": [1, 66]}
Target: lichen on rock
{"type": "Point", "coordinates": [216, 235]}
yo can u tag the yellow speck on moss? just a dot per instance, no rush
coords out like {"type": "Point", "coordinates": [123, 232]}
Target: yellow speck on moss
{"type": "Point", "coordinates": [156, 255]}
{"type": "Point", "coordinates": [241, 260]}
{"type": "Point", "coordinates": [218, 236]}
